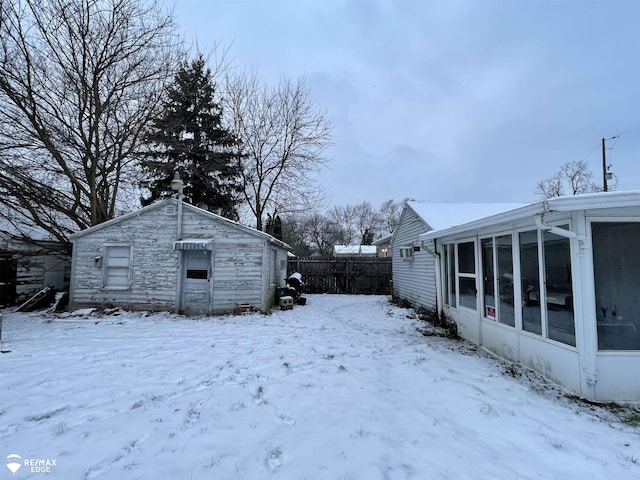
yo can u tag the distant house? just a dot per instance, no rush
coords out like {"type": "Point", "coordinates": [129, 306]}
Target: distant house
{"type": "Point", "coordinates": [552, 285]}
{"type": "Point", "coordinates": [414, 267]}
{"type": "Point", "coordinates": [383, 246]}
{"type": "Point", "coordinates": [30, 263]}
{"type": "Point", "coordinates": [354, 251]}
{"type": "Point", "coordinates": [176, 257]}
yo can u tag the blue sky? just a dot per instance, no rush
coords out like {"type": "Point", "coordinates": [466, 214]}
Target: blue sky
{"type": "Point", "coordinates": [470, 101]}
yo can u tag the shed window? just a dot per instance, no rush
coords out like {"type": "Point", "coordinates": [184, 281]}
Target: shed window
{"type": "Point", "coordinates": [117, 266]}
{"type": "Point", "coordinates": [616, 268]}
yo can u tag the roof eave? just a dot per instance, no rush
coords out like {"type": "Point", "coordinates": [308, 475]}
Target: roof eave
{"type": "Point", "coordinates": [558, 204]}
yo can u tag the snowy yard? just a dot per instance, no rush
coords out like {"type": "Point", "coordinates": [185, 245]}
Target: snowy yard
{"type": "Point", "coordinates": [342, 388]}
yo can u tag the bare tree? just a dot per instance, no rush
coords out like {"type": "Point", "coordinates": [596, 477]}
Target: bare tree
{"type": "Point", "coordinates": [321, 234]}
{"type": "Point", "coordinates": [282, 138]}
{"type": "Point", "coordinates": [79, 82]}
{"type": "Point", "coordinates": [390, 214]}
{"type": "Point", "coordinates": [368, 222]}
{"type": "Point", "coordinates": [551, 187]}
{"type": "Point", "coordinates": [573, 177]}
{"type": "Point", "coordinates": [343, 220]}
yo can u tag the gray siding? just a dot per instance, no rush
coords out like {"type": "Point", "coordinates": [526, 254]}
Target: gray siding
{"type": "Point", "coordinates": [237, 274]}
{"type": "Point", "coordinates": [238, 262]}
{"type": "Point", "coordinates": [154, 268]}
{"type": "Point", "coordinates": [415, 280]}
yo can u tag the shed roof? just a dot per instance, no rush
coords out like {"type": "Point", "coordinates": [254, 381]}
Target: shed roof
{"type": "Point", "coordinates": [212, 216]}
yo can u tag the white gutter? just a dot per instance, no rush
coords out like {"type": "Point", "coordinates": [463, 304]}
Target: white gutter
{"type": "Point", "coordinates": [557, 230]}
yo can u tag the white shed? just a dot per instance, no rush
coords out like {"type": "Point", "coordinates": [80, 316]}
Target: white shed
{"type": "Point", "coordinates": [414, 267]}
{"type": "Point", "coordinates": [177, 257]}
{"type": "Point", "coordinates": [554, 286]}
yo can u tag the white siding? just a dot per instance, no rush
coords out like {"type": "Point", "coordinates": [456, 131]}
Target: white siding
{"type": "Point", "coordinates": [415, 280]}
{"type": "Point", "coordinates": [239, 262]}
{"type": "Point", "coordinates": [154, 267]}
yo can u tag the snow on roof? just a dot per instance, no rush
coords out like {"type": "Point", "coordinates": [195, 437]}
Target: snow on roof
{"type": "Point", "coordinates": [440, 216]}
{"type": "Point", "coordinates": [383, 240]}
{"type": "Point", "coordinates": [355, 250]}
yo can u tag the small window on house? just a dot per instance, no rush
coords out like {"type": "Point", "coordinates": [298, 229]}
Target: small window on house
{"type": "Point", "coordinates": [117, 266]}
{"type": "Point", "coordinates": [406, 253]}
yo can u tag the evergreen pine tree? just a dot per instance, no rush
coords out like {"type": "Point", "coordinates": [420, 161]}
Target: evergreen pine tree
{"type": "Point", "coordinates": [188, 137]}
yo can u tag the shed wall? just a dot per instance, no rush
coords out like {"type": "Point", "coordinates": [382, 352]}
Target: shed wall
{"type": "Point", "coordinates": [237, 266]}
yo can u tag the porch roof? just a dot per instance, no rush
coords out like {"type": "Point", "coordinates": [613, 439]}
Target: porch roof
{"type": "Point", "coordinates": [559, 204]}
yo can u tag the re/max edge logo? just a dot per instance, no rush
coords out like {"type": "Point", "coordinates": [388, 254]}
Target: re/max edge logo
{"type": "Point", "coordinates": [35, 465]}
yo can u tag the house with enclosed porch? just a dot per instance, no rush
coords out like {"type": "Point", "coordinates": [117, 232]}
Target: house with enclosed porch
{"type": "Point", "coordinates": [552, 285]}
{"type": "Point", "coordinates": [414, 268]}
{"type": "Point", "coordinates": [176, 257]}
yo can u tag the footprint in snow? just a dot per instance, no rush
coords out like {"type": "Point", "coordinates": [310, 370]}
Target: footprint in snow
{"type": "Point", "coordinates": [274, 459]}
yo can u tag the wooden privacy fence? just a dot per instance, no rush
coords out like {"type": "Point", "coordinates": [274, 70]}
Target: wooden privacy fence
{"type": "Point", "coordinates": [355, 275]}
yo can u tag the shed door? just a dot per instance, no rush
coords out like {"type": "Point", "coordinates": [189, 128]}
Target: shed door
{"type": "Point", "coordinates": [196, 282]}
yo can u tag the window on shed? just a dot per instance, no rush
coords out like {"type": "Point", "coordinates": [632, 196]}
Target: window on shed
{"type": "Point", "coordinates": [117, 266]}
{"type": "Point", "coordinates": [616, 269]}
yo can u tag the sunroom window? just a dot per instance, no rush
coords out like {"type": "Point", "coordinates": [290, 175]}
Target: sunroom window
{"type": "Point", "coordinates": [616, 268]}
{"type": "Point", "coordinates": [530, 278]}
{"type": "Point", "coordinates": [449, 275]}
{"type": "Point", "coordinates": [497, 279]}
{"type": "Point", "coordinates": [558, 288]}
{"type": "Point", "coordinates": [467, 275]}
{"type": "Point", "coordinates": [547, 303]}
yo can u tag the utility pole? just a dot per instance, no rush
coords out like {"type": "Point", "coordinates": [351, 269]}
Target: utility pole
{"type": "Point", "coordinates": [604, 168]}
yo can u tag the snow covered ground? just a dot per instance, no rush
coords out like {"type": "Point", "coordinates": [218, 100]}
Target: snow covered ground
{"type": "Point", "coordinates": [345, 387]}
